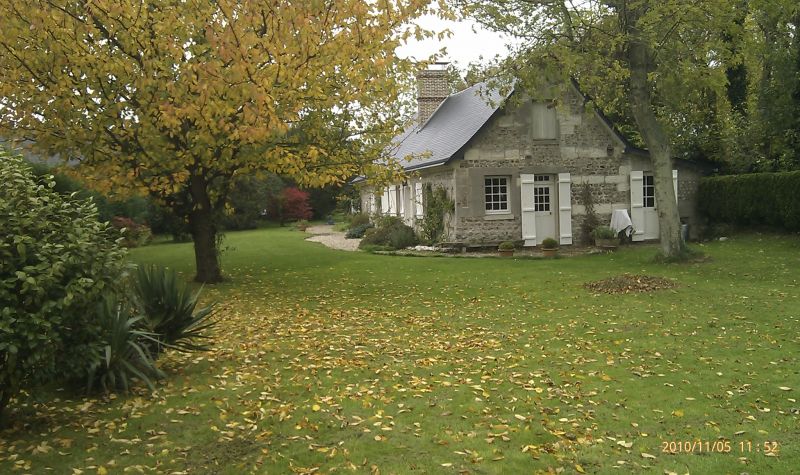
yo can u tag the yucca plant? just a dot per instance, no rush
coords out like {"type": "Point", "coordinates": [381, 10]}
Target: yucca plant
{"type": "Point", "coordinates": [168, 306]}
{"type": "Point", "coordinates": [123, 352]}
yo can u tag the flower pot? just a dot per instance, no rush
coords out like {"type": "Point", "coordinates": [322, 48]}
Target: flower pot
{"type": "Point", "coordinates": [610, 244]}
{"type": "Point", "coordinates": [549, 252]}
{"type": "Point", "coordinates": [506, 253]}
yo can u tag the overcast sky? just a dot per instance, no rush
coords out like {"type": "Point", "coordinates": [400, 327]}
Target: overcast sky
{"type": "Point", "coordinates": [468, 43]}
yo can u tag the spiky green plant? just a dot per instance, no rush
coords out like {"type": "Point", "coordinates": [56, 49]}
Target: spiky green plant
{"type": "Point", "coordinates": [123, 353]}
{"type": "Point", "coordinates": [168, 306]}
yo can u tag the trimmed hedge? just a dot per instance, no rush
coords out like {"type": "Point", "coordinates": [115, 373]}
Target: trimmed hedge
{"type": "Point", "coordinates": [770, 199]}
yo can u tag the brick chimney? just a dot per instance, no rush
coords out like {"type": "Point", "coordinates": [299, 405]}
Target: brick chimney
{"type": "Point", "coordinates": [432, 89]}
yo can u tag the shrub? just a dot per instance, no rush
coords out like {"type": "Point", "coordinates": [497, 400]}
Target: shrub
{"type": "Point", "coordinates": [388, 221]}
{"type": "Point", "coordinates": [590, 219]}
{"type": "Point", "coordinates": [506, 246]}
{"type": "Point", "coordinates": [56, 261]}
{"type": "Point", "coordinates": [391, 233]}
{"type": "Point", "coordinates": [359, 219]}
{"type": "Point", "coordinates": [168, 307]}
{"type": "Point", "coordinates": [134, 234]}
{"type": "Point", "coordinates": [123, 353]}
{"type": "Point", "coordinates": [549, 243]}
{"type": "Point", "coordinates": [604, 232]}
{"type": "Point", "coordinates": [756, 199]}
{"type": "Point", "coordinates": [301, 225]}
{"type": "Point", "coordinates": [296, 204]}
{"type": "Point", "coordinates": [358, 232]}
{"type": "Point", "coordinates": [438, 206]}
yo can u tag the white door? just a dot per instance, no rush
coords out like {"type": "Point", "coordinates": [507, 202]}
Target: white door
{"type": "Point", "coordinates": [544, 207]}
{"type": "Point", "coordinates": [649, 207]}
{"type": "Point", "coordinates": [644, 209]}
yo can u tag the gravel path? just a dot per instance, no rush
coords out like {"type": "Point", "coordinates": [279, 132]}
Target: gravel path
{"type": "Point", "coordinates": [326, 235]}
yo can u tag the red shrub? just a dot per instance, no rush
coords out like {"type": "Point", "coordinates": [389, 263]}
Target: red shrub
{"type": "Point", "coordinates": [296, 204]}
{"type": "Point", "coordinates": [135, 234]}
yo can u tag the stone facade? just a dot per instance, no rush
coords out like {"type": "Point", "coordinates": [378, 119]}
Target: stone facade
{"type": "Point", "coordinates": [579, 144]}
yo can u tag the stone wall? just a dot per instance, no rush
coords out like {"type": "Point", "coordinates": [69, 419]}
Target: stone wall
{"type": "Point", "coordinates": [585, 148]}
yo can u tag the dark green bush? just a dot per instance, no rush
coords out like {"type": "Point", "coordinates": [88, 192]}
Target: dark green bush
{"type": "Point", "coordinates": [169, 310]}
{"type": "Point", "coordinates": [549, 243]}
{"type": "Point", "coordinates": [758, 199]}
{"type": "Point", "coordinates": [124, 352]}
{"type": "Point", "coordinates": [391, 233]}
{"type": "Point", "coordinates": [358, 232]}
{"type": "Point", "coordinates": [358, 219]}
{"type": "Point", "coordinates": [506, 246]}
{"type": "Point", "coordinates": [56, 262]}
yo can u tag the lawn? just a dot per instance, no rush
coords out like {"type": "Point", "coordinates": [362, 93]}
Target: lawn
{"type": "Point", "coordinates": [334, 361]}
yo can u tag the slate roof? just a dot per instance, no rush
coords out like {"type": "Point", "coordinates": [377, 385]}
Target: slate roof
{"type": "Point", "coordinates": [457, 119]}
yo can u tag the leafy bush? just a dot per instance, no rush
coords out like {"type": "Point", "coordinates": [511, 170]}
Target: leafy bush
{"type": "Point", "coordinates": [590, 219]}
{"type": "Point", "coordinates": [756, 199]}
{"type": "Point", "coordinates": [438, 206]}
{"type": "Point", "coordinates": [549, 243]}
{"type": "Point", "coordinates": [391, 233]}
{"type": "Point", "coordinates": [506, 246]}
{"type": "Point", "coordinates": [301, 225]}
{"type": "Point", "coordinates": [358, 219]}
{"type": "Point", "coordinates": [604, 232]}
{"type": "Point", "coordinates": [358, 232]}
{"type": "Point", "coordinates": [123, 353]}
{"type": "Point", "coordinates": [296, 204]}
{"type": "Point", "coordinates": [168, 307]}
{"type": "Point", "coordinates": [388, 221]}
{"type": "Point", "coordinates": [56, 261]}
{"type": "Point", "coordinates": [134, 234]}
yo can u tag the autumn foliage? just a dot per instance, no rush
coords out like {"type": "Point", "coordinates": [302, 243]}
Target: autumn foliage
{"type": "Point", "coordinates": [177, 99]}
{"type": "Point", "coordinates": [296, 204]}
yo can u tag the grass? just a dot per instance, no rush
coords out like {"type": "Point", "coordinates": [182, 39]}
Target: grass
{"type": "Point", "coordinates": [352, 361]}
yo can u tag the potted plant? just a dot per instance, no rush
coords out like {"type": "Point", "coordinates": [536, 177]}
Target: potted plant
{"type": "Point", "coordinates": [549, 247]}
{"type": "Point", "coordinates": [605, 237]}
{"type": "Point", "coordinates": [506, 248]}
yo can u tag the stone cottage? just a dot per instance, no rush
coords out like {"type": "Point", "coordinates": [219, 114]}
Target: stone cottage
{"type": "Point", "coordinates": [514, 169]}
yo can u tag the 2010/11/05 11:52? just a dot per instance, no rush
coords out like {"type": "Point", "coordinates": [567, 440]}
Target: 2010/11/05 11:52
{"type": "Point", "coordinates": [770, 448]}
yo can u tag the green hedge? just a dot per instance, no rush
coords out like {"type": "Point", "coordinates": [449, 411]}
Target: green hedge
{"type": "Point", "coordinates": [771, 199]}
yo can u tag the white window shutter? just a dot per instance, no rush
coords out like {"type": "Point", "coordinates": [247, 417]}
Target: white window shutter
{"type": "Point", "coordinates": [392, 193]}
{"type": "Point", "coordinates": [401, 202]}
{"type": "Point", "coordinates": [528, 211]}
{"type": "Point", "coordinates": [675, 183]}
{"type": "Point", "coordinates": [637, 204]}
{"type": "Point", "coordinates": [371, 204]}
{"type": "Point", "coordinates": [385, 202]}
{"type": "Point", "coordinates": [420, 212]}
{"type": "Point", "coordinates": [565, 208]}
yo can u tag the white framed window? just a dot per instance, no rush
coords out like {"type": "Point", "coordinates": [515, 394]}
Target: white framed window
{"type": "Point", "coordinates": [648, 191]}
{"type": "Point", "coordinates": [541, 198]}
{"type": "Point", "coordinates": [495, 190]}
{"type": "Point", "coordinates": [545, 121]}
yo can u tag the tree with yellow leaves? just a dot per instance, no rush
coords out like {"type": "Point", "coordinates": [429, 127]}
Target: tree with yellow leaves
{"type": "Point", "coordinates": [176, 97]}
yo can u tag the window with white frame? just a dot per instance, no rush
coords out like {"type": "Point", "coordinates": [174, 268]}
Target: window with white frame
{"type": "Point", "coordinates": [541, 193]}
{"type": "Point", "coordinates": [648, 191]}
{"type": "Point", "coordinates": [495, 189]}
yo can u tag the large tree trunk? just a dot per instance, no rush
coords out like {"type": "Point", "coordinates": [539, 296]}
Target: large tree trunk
{"type": "Point", "coordinates": [204, 232]}
{"type": "Point", "coordinates": [639, 57]}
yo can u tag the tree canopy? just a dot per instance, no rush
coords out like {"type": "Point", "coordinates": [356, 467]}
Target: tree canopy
{"type": "Point", "coordinates": [178, 97]}
{"type": "Point", "coordinates": [645, 61]}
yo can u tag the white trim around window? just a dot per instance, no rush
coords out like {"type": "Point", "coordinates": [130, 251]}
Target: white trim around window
{"type": "Point", "coordinates": [496, 194]}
